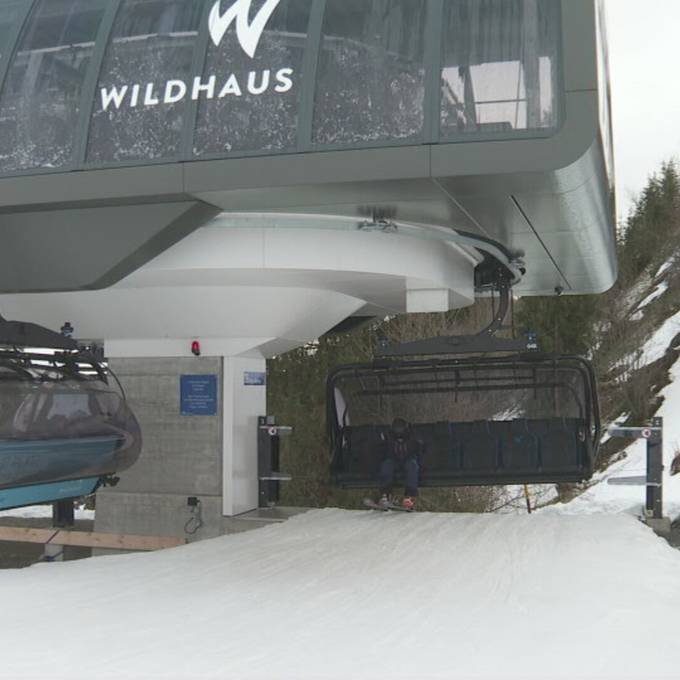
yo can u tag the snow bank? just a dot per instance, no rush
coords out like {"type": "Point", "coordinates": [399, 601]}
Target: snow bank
{"type": "Point", "coordinates": [655, 347]}
{"type": "Point", "coordinates": [43, 512]}
{"type": "Point", "coordinates": [603, 497]}
{"type": "Point", "coordinates": [652, 297]}
{"type": "Point", "coordinates": [343, 595]}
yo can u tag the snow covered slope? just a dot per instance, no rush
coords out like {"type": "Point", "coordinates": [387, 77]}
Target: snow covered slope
{"type": "Point", "coordinates": [341, 594]}
{"type": "Point", "coordinates": [603, 497]}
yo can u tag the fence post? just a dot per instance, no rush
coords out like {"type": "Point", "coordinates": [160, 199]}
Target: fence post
{"type": "Point", "coordinates": [654, 507]}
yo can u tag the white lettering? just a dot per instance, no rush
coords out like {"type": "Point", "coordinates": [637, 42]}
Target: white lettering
{"type": "Point", "coordinates": [113, 96]}
{"type": "Point", "coordinates": [231, 87]}
{"type": "Point", "coordinates": [255, 89]}
{"type": "Point", "coordinates": [249, 34]}
{"type": "Point", "coordinates": [175, 91]}
{"type": "Point", "coordinates": [134, 98]}
{"type": "Point", "coordinates": [284, 76]}
{"type": "Point", "coordinates": [208, 88]}
{"type": "Point", "coordinates": [149, 98]}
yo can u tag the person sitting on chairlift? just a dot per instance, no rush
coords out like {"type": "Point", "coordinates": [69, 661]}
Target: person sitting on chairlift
{"type": "Point", "coordinates": [401, 451]}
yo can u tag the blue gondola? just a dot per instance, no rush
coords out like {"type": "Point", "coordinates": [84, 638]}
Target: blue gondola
{"type": "Point", "coordinates": [64, 429]}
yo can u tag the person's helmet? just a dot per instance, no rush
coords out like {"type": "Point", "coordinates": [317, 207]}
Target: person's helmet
{"type": "Point", "coordinates": [400, 428]}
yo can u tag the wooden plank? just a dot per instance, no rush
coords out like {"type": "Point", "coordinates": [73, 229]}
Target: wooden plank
{"type": "Point", "coordinates": [84, 539]}
{"type": "Point", "coordinates": [22, 535]}
{"type": "Point", "coordinates": [116, 541]}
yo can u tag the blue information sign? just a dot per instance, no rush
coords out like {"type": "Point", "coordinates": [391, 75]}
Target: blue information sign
{"type": "Point", "coordinates": [198, 395]}
{"type": "Point", "coordinates": [254, 379]}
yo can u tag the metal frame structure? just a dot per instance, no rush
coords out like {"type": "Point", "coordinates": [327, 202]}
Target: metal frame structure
{"type": "Point", "coordinates": [546, 192]}
{"type": "Point", "coordinates": [433, 65]}
{"type": "Point", "coordinates": [456, 376]}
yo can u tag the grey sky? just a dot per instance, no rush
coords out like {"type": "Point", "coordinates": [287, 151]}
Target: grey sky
{"type": "Point", "coordinates": [644, 38]}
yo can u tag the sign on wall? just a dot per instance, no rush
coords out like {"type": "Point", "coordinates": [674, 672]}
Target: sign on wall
{"type": "Point", "coordinates": [254, 379]}
{"type": "Point", "coordinates": [198, 395]}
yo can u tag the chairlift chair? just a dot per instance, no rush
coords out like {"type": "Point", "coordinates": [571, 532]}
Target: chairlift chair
{"type": "Point", "coordinates": [486, 411]}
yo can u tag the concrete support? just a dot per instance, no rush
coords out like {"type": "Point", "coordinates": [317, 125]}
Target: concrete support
{"type": "Point", "coordinates": [243, 402]}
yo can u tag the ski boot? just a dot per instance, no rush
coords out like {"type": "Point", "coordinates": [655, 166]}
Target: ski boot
{"type": "Point", "coordinates": [409, 503]}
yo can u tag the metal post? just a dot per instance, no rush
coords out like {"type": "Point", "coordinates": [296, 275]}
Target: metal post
{"type": "Point", "coordinates": [63, 514]}
{"type": "Point", "coordinates": [653, 481]}
{"type": "Point", "coordinates": [654, 506]}
{"type": "Point", "coordinates": [270, 476]}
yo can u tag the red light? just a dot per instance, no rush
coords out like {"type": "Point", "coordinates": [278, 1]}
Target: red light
{"type": "Point", "coordinates": [196, 348]}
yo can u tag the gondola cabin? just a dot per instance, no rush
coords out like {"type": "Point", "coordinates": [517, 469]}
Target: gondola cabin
{"type": "Point", "coordinates": [478, 421]}
{"type": "Point", "coordinates": [64, 429]}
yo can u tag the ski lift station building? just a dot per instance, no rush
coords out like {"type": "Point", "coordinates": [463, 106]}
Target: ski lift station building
{"type": "Point", "coordinates": [248, 174]}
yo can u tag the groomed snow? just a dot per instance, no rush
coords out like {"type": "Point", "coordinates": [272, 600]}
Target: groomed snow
{"type": "Point", "coordinates": [357, 594]}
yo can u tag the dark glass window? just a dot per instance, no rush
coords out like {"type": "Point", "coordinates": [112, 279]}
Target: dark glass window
{"type": "Point", "coordinates": [145, 82]}
{"type": "Point", "coordinates": [371, 78]}
{"type": "Point", "coordinates": [9, 12]}
{"type": "Point", "coordinates": [40, 101]}
{"type": "Point", "coordinates": [501, 67]}
{"type": "Point", "coordinates": [250, 96]}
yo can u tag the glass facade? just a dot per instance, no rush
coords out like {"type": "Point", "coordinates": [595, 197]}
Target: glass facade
{"type": "Point", "coordinates": [9, 15]}
{"type": "Point", "coordinates": [500, 71]}
{"type": "Point", "coordinates": [181, 79]}
{"type": "Point", "coordinates": [371, 75]}
{"type": "Point", "coordinates": [41, 97]}
{"type": "Point", "coordinates": [148, 62]}
{"type": "Point", "coordinates": [253, 103]}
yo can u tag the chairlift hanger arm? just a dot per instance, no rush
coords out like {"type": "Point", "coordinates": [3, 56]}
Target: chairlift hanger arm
{"type": "Point", "coordinates": [485, 341]}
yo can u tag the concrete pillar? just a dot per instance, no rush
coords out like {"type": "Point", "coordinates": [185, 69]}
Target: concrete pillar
{"type": "Point", "coordinates": [210, 457]}
{"type": "Point", "coordinates": [244, 399]}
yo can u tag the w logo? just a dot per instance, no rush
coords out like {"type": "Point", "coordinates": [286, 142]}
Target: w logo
{"type": "Point", "coordinates": [249, 34]}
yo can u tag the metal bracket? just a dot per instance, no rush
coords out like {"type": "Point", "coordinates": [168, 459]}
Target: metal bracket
{"type": "Point", "coordinates": [483, 342]}
{"type": "Point", "coordinates": [654, 480]}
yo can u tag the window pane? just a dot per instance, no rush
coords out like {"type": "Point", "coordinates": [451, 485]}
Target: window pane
{"type": "Point", "coordinates": [371, 79]}
{"type": "Point", "coordinates": [9, 12]}
{"type": "Point", "coordinates": [41, 97]}
{"type": "Point", "coordinates": [501, 65]}
{"type": "Point", "coordinates": [252, 104]}
{"type": "Point", "coordinates": [145, 81]}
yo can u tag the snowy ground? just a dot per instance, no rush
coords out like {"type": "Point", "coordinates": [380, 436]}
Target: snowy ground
{"type": "Point", "coordinates": [353, 594]}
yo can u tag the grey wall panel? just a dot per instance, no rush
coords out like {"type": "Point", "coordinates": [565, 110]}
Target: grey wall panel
{"type": "Point", "coordinates": [579, 45]}
{"type": "Point", "coordinates": [88, 247]}
{"type": "Point", "coordinates": [181, 454]}
{"type": "Point", "coordinates": [125, 185]}
{"type": "Point", "coordinates": [366, 165]}
{"type": "Point", "coordinates": [491, 164]}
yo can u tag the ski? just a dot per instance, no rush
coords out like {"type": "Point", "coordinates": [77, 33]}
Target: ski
{"type": "Point", "coordinates": [372, 505]}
